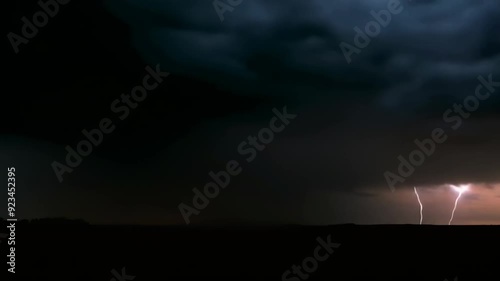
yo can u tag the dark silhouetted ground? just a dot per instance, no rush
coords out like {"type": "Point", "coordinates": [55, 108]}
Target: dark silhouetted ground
{"type": "Point", "coordinates": [58, 250]}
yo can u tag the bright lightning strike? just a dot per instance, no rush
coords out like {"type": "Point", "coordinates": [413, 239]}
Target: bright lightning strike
{"type": "Point", "coordinates": [421, 207]}
{"type": "Point", "coordinates": [460, 189]}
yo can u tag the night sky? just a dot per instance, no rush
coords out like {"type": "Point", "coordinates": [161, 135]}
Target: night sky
{"type": "Point", "coordinates": [326, 166]}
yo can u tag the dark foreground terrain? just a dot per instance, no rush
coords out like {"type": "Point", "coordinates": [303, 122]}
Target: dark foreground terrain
{"type": "Point", "coordinates": [74, 251]}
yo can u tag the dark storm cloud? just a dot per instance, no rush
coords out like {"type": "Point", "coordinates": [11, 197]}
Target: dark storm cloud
{"type": "Point", "coordinates": [433, 49]}
{"type": "Point", "coordinates": [353, 119]}
{"type": "Point", "coordinates": [396, 90]}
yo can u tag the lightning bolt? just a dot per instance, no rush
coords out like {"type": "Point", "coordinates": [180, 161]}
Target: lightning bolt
{"type": "Point", "coordinates": [421, 207]}
{"type": "Point", "coordinates": [453, 212]}
{"type": "Point", "coordinates": [460, 189]}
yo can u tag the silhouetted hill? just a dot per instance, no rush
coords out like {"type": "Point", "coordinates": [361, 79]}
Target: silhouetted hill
{"type": "Point", "coordinates": [390, 252]}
